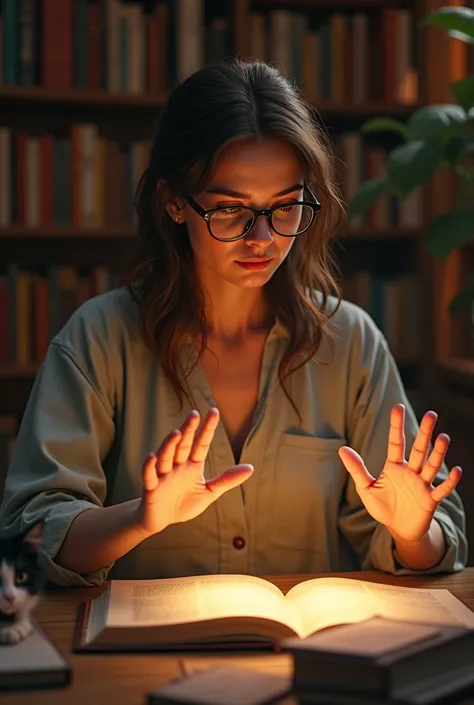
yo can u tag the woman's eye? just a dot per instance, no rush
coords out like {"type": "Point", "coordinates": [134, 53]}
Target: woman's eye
{"type": "Point", "coordinates": [21, 578]}
{"type": "Point", "coordinates": [228, 212]}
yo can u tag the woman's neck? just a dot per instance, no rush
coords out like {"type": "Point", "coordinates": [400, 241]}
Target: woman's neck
{"type": "Point", "coordinates": [234, 315]}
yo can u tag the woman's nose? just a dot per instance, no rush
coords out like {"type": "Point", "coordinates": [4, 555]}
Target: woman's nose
{"type": "Point", "coordinates": [261, 232]}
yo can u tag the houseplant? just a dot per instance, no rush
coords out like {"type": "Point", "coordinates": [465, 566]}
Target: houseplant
{"type": "Point", "coordinates": [435, 137]}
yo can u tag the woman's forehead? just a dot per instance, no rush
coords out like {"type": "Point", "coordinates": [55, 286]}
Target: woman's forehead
{"type": "Point", "coordinates": [246, 165]}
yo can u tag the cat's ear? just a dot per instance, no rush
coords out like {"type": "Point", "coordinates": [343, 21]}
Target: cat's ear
{"type": "Point", "coordinates": [34, 536]}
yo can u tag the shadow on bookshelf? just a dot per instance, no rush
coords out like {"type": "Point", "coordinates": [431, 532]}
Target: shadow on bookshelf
{"type": "Point", "coordinates": [108, 99]}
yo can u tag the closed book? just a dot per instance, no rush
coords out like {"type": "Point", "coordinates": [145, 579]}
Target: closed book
{"type": "Point", "coordinates": [406, 662]}
{"type": "Point", "coordinates": [33, 663]}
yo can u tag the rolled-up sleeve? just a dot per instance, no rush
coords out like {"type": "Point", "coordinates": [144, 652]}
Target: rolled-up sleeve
{"type": "Point", "coordinates": [57, 466]}
{"type": "Point", "coordinates": [374, 389]}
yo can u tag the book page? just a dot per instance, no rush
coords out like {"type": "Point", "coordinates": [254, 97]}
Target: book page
{"type": "Point", "coordinates": [323, 602]}
{"type": "Point", "coordinates": [190, 599]}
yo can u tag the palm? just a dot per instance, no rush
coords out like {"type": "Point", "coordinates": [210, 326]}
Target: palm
{"type": "Point", "coordinates": [403, 497]}
{"type": "Point", "coordinates": [185, 485]}
{"type": "Point", "coordinates": [174, 487]}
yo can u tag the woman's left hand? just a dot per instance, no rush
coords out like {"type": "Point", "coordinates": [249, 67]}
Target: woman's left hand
{"type": "Point", "coordinates": [403, 497]}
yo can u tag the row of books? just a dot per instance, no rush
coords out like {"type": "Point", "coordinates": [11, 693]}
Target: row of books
{"type": "Point", "coordinates": [394, 304]}
{"type": "Point", "coordinates": [345, 58]}
{"type": "Point", "coordinates": [8, 430]}
{"type": "Point", "coordinates": [34, 306]}
{"type": "Point", "coordinates": [357, 162]}
{"type": "Point", "coordinates": [130, 48]}
{"type": "Point", "coordinates": [87, 180]}
{"type": "Point", "coordinates": [82, 179]}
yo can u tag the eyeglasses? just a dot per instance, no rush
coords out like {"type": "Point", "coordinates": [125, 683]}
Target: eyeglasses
{"type": "Point", "coordinates": [230, 223]}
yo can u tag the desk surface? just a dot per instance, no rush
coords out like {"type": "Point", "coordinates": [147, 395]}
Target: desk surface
{"type": "Point", "coordinates": [125, 679]}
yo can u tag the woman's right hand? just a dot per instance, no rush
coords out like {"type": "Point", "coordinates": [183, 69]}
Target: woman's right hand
{"type": "Point", "coordinates": [174, 487]}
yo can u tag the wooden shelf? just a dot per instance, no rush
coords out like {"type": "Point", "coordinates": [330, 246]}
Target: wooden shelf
{"type": "Point", "coordinates": [17, 232]}
{"type": "Point", "coordinates": [151, 101]}
{"type": "Point", "coordinates": [459, 367]}
{"type": "Point", "coordinates": [38, 94]}
{"type": "Point", "coordinates": [13, 371]}
{"type": "Point", "coordinates": [380, 234]}
{"type": "Point", "coordinates": [330, 4]}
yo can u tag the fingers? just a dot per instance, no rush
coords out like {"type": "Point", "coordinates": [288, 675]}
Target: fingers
{"type": "Point", "coordinates": [436, 458]}
{"type": "Point", "coordinates": [396, 436]}
{"type": "Point", "coordinates": [149, 476]}
{"type": "Point", "coordinates": [421, 445]}
{"type": "Point", "coordinates": [447, 486]}
{"type": "Point", "coordinates": [356, 468]}
{"type": "Point", "coordinates": [165, 455]}
{"type": "Point", "coordinates": [233, 477]}
{"type": "Point", "coordinates": [188, 429]}
{"type": "Point", "coordinates": [203, 440]}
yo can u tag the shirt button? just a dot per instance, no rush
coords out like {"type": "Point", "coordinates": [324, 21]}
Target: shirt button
{"type": "Point", "coordinates": [238, 542]}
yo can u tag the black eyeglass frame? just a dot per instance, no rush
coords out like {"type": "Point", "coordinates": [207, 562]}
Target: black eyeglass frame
{"type": "Point", "coordinates": [206, 215]}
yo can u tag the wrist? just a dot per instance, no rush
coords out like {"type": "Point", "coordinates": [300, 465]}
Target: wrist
{"type": "Point", "coordinates": [135, 522]}
{"type": "Point", "coordinates": [141, 521]}
{"type": "Point", "coordinates": [424, 552]}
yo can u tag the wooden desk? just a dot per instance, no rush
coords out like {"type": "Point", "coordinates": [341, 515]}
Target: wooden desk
{"type": "Point", "coordinates": [125, 679]}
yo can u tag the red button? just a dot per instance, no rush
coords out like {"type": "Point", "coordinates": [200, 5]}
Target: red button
{"type": "Point", "coordinates": [238, 542]}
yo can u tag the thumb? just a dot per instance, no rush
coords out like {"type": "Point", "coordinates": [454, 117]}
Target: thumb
{"type": "Point", "coordinates": [355, 466]}
{"type": "Point", "coordinates": [233, 477]}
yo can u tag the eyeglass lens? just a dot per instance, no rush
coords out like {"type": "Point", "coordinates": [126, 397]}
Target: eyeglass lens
{"type": "Point", "coordinates": [288, 220]}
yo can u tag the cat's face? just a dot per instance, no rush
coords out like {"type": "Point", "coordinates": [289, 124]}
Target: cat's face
{"type": "Point", "coordinates": [21, 576]}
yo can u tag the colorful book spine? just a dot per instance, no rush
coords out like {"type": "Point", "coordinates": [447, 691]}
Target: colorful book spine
{"type": "Point", "coordinates": [35, 305]}
{"type": "Point", "coordinates": [83, 180]}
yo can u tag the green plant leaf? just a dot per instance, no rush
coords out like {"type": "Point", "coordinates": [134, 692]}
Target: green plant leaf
{"type": "Point", "coordinates": [463, 298]}
{"type": "Point", "coordinates": [458, 19]}
{"type": "Point", "coordinates": [449, 231]}
{"type": "Point", "coordinates": [385, 124]}
{"type": "Point", "coordinates": [412, 164]}
{"type": "Point", "coordinates": [457, 146]}
{"type": "Point", "coordinates": [463, 91]}
{"type": "Point", "coordinates": [461, 36]}
{"type": "Point", "coordinates": [434, 121]}
{"type": "Point", "coordinates": [369, 191]}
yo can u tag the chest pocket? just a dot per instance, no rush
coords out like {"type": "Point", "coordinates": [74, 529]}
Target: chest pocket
{"type": "Point", "coordinates": [309, 482]}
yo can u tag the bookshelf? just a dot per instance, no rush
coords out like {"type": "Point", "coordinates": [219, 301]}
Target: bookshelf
{"type": "Point", "coordinates": [50, 89]}
{"type": "Point", "coordinates": [23, 95]}
{"type": "Point", "coordinates": [17, 232]}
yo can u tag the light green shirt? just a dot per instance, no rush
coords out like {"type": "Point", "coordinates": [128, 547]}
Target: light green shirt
{"type": "Point", "coordinates": [101, 403]}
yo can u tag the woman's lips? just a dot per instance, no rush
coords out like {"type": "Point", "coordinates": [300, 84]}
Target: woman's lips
{"type": "Point", "coordinates": [255, 265]}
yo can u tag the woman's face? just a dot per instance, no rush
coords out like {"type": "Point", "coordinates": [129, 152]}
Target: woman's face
{"type": "Point", "coordinates": [260, 174]}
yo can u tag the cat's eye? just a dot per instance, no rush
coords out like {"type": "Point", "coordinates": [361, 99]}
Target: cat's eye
{"type": "Point", "coordinates": [21, 578]}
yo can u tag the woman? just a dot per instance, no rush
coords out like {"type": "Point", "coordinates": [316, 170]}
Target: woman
{"type": "Point", "coordinates": [230, 308]}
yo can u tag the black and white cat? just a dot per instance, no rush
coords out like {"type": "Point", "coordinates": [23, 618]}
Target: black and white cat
{"type": "Point", "coordinates": [21, 581]}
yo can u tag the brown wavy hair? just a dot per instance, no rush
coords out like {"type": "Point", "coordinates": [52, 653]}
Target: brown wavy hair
{"type": "Point", "coordinates": [214, 106]}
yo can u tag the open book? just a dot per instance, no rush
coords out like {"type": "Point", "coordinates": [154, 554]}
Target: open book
{"type": "Point", "coordinates": [218, 610]}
